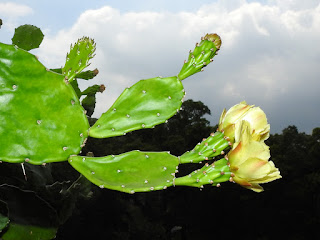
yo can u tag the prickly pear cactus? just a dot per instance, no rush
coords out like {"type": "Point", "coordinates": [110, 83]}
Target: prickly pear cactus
{"type": "Point", "coordinates": [42, 120]}
{"type": "Point", "coordinates": [41, 116]}
{"type": "Point", "coordinates": [144, 105]}
{"type": "Point", "coordinates": [27, 37]}
{"type": "Point", "coordinates": [129, 172]}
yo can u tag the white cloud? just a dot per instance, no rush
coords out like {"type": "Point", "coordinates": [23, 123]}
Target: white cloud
{"type": "Point", "coordinates": [10, 13]}
{"type": "Point", "coordinates": [268, 53]}
{"type": "Point", "coordinates": [13, 10]}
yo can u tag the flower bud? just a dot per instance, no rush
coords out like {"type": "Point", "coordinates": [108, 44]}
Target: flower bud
{"type": "Point", "coordinates": [253, 115]}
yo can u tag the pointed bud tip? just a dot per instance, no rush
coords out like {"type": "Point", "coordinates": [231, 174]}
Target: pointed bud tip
{"type": "Point", "coordinates": [214, 38]}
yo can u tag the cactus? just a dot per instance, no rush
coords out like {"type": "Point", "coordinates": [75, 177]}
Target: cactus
{"type": "Point", "coordinates": [129, 172]}
{"type": "Point", "coordinates": [41, 116]}
{"type": "Point", "coordinates": [42, 120]}
{"type": "Point", "coordinates": [78, 57]}
{"type": "Point", "coordinates": [27, 37]}
{"type": "Point", "coordinates": [144, 105]}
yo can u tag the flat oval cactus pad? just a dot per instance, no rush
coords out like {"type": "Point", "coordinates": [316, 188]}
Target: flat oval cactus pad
{"type": "Point", "coordinates": [129, 172]}
{"type": "Point", "coordinates": [41, 119]}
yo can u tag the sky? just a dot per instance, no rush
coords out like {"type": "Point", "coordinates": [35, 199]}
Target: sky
{"type": "Point", "coordinates": [270, 53]}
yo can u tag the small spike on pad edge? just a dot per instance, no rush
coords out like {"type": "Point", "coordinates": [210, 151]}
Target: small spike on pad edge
{"type": "Point", "coordinates": [129, 172]}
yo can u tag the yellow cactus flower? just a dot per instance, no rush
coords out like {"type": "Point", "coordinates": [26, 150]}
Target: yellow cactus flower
{"type": "Point", "coordinates": [249, 160]}
{"type": "Point", "coordinates": [254, 115]}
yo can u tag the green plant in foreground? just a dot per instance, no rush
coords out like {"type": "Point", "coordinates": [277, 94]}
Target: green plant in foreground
{"type": "Point", "coordinates": [43, 121]}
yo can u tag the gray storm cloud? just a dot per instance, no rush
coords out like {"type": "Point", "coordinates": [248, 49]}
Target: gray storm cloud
{"type": "Point", "coordinates": [269, 55]}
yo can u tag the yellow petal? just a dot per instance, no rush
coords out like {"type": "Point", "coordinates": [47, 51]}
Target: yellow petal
{"type": "Point", "coordinates": [255, 187]}
{"type": "Point", "coordinates": [253, 169]}
{"type": "Point", "coordinates": [223, 114]}
{"type": "Point", "coordinates": [271, 176]}
{"type": "Point", "coordinates": [253, 149]}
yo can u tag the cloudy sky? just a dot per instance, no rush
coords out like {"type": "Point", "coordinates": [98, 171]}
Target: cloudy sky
{"type": "Point", "coordinates": [270, 53]}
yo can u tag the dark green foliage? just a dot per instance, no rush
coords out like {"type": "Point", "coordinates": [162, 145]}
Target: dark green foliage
{"type": "Point", "coordinates": [4, 219]}
{"type": "Point", "coordinates": [89, 102]}
{"type": "Point", "coordinates": [40, 201]}
{"type": "Point", "coordinates": [27, 37]}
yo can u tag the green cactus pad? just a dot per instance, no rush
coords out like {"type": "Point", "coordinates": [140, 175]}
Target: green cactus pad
{"type": "Point", "coordinates": [78, 58]}
{"type": "Point", "coordinates": [212, 174]}
{"type": "Point", "coordinates": [201, 56]}
{"type": "Point", "coordinates": [27, 37]}
{"type": "Point", "coordinates": [207, 149]}
{"type": "Point", "coordinates": [146, 104]}
{"type": "Point", "coordinates": [25, 232]}
{"type": "Point", "coordinates": [41, 119]}
{"type": "Point", "coordinates": [129, 172]}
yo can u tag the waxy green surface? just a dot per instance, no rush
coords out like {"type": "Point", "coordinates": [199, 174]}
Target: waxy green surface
{"type": "Point", "coordinates": [129, 172]}
{"type": "Point", "coordinates": [146, 104]}
{"type": "Point", "coordinates": [27, 37]}
{"type": "Point", "coordinates": [78, 57]}
{"type": "Point", "coordinates": [213, 174]}
{"type": "Point", "coordinates": [201, 56]}
{"type": "Point", "coordinates": [41, 119]}
{"type": "Point", "coordinates": [209, 148]}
